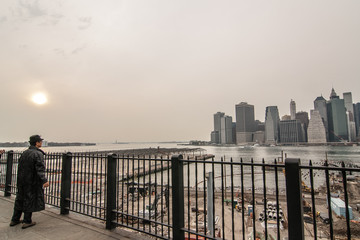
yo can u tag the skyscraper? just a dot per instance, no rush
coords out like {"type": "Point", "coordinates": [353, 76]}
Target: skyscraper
{"type": "Point", "coordinates": [320, 106]}
{"type": "Point", "coordinates": [245, 122]}
{"type": "Point", "coordinates": [291, 131]}
{"type": "Point", "coordinates": [222, 133]}
{"type": "Point", "coordinates": [272, 125]}
{"type": "Point", "coordinates": [349, 104]}
{"type": "Point", "coordinates": [333, 94]}
{"type": "Point", "coordinates": [226, 130]}
{"type": "Point", "coordinates": [316, 130]}
{"type": "Point", "coordinates": [216, 134]}
{"type": "Point", "coordinates": [351, 127]}
{"type": "Point", "coordinates": [357, 118]}
{"type": "Point", "coordinates": [292, 109]}
{"type": "Point", "coordinates": [303, 117]}
{"type": "Point", "coordinates": [338, 127]}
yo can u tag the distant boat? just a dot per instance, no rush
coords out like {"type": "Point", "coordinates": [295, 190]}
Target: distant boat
{"type": "Point", "coordinates": [116, 142]}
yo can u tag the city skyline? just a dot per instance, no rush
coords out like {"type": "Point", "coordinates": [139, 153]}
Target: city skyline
{"type": "Point", "coordinates": [332, 120]}
{"type": "Point", "coordinates": [140, 71]}
{"type": "Point", "coordinates": [291, 101]}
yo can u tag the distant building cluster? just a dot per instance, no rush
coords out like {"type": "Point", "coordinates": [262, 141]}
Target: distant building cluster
{"type": "Point", "coordinates": [333, 120]}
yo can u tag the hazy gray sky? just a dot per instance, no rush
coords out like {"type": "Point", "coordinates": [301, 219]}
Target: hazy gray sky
{"type": "Point", "coordinates": [157, 70]}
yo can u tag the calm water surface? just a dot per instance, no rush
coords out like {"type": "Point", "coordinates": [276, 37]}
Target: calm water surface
{"type": "Point", "coordinates": [348, 154]}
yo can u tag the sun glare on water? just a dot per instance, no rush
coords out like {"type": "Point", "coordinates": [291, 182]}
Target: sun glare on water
{"type": "Point", "coordinates": [39, 98]}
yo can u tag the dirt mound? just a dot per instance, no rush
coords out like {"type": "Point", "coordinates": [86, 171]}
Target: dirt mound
{"type": "Point", "coordinates": [341, 229]}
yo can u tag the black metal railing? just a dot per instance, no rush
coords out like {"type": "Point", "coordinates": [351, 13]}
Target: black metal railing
{"type": "Point", "coordinates": [199, 198]}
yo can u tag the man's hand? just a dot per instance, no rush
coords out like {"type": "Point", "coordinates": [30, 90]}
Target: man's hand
{"type": "Point", "coordinates": [46, 185]}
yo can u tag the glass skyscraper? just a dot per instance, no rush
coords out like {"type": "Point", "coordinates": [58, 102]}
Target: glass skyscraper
{"type": "Point", "coordinates": [245, 122]}
{"type": "Point", "coordinates": [338, 127]}
{"type": "Point", "coordinates": [272, 125]}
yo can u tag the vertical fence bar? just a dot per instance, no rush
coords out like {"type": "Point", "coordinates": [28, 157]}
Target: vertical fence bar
{"type": "Point", "coordinates": [242, 199]}
{"type": "Point", "coordinates": [277, 200]}
{"type": "Point", "coordinates": [138, 195]}
{"type": "Point", "coordinates": [162, 194]}
{"type": "Point", "coordinates": [133, 191]}
{"type": "Point", "coordinates": [232, 198]}
{"type": "Point", "coordinates": [294, 198]}
{"type": "Point", "coordinates": [188, 193]}
{"type": "Point", "coordinates": [168, 201]}
{"type": "Point", "coordinates": [347, 214]}
{"type": "Point", "coordinates": [328, 197]}
{"type": "Point", "coordinates": [65, 183]}
{"type": "Point", "coordinates": [196, 199]}
{"type": "Point", "coordinates": [156, 196]}
{"type": "Point", "coordinates": [96, 185]}
{"type": "Point", "coordinates": [253, 197]}
{"type": "Point", "coordinates": [313, 199]}
{"type": "Point", "coordinates": [210, 213]}
{"type": "Point", "coordinates": [111, 191]}
{"type": "Point", "coordinates": [122, 189]}
{"type": "Point", "coordinates": [213, 195]}
{"type": "Point", "coordinates": [118, 190]}
{"type": "Point", "coordinates": [178, 196]}
{"type": "Point", "coordinates": [77, 181]}
{"type": "Point", "coordinates": [204, 178]}
{"type": "Point", "coordinates": [222, 199]}
{"type": "Point", "coordinates": [265, 199]}
{"type": "Point", "coordinates": [9, 166]}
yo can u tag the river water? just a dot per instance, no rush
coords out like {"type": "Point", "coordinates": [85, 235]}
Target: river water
{"type": "Point", "coordinates": [348, 154]}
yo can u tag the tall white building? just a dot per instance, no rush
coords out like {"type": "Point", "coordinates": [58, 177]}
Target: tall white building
{"type": "Point", "coordinates": [350, 115]}
{"type": "Point", "coordinates": [349, 104]}
{"type": "Point", "coordinates": [316, 129]}
{"type": "Point", "coordinates": [351, 127]}
{"type": "Point", "coordinates": [320, 105]}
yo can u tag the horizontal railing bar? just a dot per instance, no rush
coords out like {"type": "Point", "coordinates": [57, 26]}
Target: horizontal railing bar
{"type": "Point", "coordinates": [331, 168]}
{"type": "Point", "coordinates": [141, 218]}
{"type": "Point", "coordinates": [88, 205]}
{"type": "Point", "coordinates": [52, 196]}
{"type": "Point", "coordinates": [280, 166]}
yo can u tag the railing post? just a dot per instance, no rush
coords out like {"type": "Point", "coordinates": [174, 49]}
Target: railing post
{"type": "Point", "coordinates": [111, 191]}
{"type": "Point", "coordinates": [65, 183]}
{"type": "Point", "coordinates": [294, 198]}
{"type": "Point", "coordinates": [9, 167]}
{"type": "Point", "coordinates": [177, 175]}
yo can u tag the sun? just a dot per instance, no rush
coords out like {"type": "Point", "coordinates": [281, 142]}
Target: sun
{"type": "Point", "coordinates": [39, 98]}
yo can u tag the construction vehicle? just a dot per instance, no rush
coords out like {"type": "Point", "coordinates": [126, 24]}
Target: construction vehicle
{"type": "Point", "coordinates": [306, 206]}
{"type": "Point", "coordinates": [307, 189]}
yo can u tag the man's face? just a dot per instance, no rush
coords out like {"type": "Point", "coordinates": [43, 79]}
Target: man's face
{"type": "Point", "coordinates": [38, 144]}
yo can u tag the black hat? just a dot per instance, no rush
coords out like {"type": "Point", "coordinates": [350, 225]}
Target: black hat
{"type": "Point", "coordinates": [35, 138]}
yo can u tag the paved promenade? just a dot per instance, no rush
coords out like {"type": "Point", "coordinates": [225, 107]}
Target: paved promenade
{"type": "Point", "coordinates": [51, 225]}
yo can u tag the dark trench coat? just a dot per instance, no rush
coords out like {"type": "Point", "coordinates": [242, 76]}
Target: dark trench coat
{"type": "Point", "coordinates": [30, 180]}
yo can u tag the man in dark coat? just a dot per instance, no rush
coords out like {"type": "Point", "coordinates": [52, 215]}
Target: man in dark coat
{"type": "Point", "coordinates": [31, 182]}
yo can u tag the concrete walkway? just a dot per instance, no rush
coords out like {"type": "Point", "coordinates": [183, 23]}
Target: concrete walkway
{"type": "Point", "coordinates": [51, 225]}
